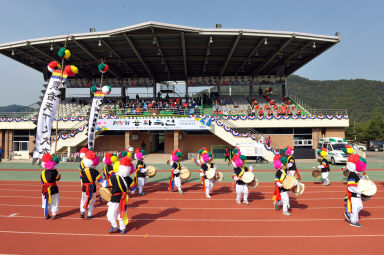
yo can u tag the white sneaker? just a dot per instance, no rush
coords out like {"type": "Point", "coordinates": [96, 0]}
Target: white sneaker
{"type": "Point", "coordinates": [287, 213]}
{"type": "Point", "coordinates": [208, 196]}
{"type": "Point", "coordinates": [246, 202]}
{"type": "Point", "coordinates": [238, 202]}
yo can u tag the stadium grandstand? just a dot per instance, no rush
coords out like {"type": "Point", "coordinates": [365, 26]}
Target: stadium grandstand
{"type": "Point", "coordinates": [178, 87]}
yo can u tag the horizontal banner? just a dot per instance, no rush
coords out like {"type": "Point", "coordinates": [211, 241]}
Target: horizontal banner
{"type": "Point", "coordinates": [152, 124]}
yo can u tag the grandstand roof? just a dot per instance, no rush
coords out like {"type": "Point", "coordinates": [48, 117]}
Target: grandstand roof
{"type": "Point", "coordinates": [172, 52]}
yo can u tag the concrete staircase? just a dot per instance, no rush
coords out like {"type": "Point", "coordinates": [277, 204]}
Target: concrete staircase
{"type": "Point", "coordinates": [234, 140]}
{"type": "Point", "coordinates": [80, 137]}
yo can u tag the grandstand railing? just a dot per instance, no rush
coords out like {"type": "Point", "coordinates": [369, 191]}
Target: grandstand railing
{"type": "Point", "coordinates": [250, 131]}
{"type": "Point", "coordinates": [74, 128]}
{"type": "Point", "coordinates": [328, 111]}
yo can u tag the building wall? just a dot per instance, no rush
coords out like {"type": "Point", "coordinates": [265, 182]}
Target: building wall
{"type": "Point", "coordinates": [109, 143]}
{"type": "Point", "coordinates": [335, 132]}
{"type": "Point", "coordinates": [193, 143]}
{"type": "Point", "coordinates": [318, 133]}
{"type": "Point", "coordinates": [316, 136]}
{"type": "Point", "coordinates": [168, 143]}
{"type": "Point", "coordinates": [281, 141]}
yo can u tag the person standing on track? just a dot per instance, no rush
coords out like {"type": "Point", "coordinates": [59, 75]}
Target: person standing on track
{"type": "Point", "coordinates": [324, 166]}
{"type": "Point", "coordinates": [89, 176]}
{"type": "Point", "coordinates": [291, 163]}
{"type": "Point", "coordinates": [206, 160]}
{"type": "Point", "coordinates": [50, 192]}
{"type": "Point", "coordinates": [109, 159]}
{"type": "Point", "coordinates": [117, 207]}
{"type": "Point", "coordinates": [280, 195]}
{"type": "Point", "coordinates": [175, 172]}
{"type": "Point", "coordinates": [226, 154]}
{"type": "Point", "coordinates": [140, 176]}
{"type": "Point", "coordinates": [238, 162]}
{"type": "Point", "coordinates": [353, 197]}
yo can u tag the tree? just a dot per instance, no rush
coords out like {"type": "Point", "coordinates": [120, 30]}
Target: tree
{"type": "Point", "coordinates": [375, 127]}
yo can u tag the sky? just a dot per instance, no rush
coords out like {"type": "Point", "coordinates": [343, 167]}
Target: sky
{"type": "Point", "coordinates": [360, 53]}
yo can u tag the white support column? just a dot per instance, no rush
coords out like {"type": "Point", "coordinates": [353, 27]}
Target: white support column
{"type": "Point", "coordinates": [154, 90]}
{"type": "Point", "coordinates": [68, 151]}
{"type": "Point", "coordinates": [186, 89]}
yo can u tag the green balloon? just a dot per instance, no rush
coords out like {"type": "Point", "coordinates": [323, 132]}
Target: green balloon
{"type": "Point", "coordinates": [283, 160]}
{"type": "Point", "coordinates": [61, 52]}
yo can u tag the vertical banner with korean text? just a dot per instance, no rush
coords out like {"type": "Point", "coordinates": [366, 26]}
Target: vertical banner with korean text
{"type": "Point", "coordinates": [47, 114]}
{"type": "Point", "coordinates": [94, 115]}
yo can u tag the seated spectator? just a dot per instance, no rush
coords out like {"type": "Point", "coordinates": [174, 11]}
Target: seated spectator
{"type": "Point", "coordinates": [253, 112]}
{"type": "Point", "coordinates": [298, 112]}
{"type": "Point", "coordinates": [261, 112]}
{"type": "Point", "coordinates": [270, 112]}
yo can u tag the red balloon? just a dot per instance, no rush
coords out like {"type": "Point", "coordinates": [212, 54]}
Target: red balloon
{"type": "Point", "coordinates": [353, 158]}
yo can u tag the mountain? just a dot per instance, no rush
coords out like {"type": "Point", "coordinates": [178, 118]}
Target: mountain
{"type": "Point", "coordinates": [15, 108]}
{"type": "Point", "coordinates": [360, 97]}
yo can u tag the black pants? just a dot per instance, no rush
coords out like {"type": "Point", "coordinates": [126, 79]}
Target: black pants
{"type": "Point", "coordinates": [227, 157]}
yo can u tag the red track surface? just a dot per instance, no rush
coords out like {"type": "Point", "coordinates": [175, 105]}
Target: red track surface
{"type": "Point", "coordinates": [162, 222]}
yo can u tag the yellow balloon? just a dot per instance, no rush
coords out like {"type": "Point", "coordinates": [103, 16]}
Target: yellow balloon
{"type": "Point", "coordinates": [67, 54]}
{"type": "Point", "coordinates": [116, 166]}
{"type": "Point", "coordinates": [323, 154]}
{"type": "Point", "coordinates": [74, 69]}
{"type": "Point", "coordinates": [113, 159]}
{"type": "Point", "coordinates": [129, 155]}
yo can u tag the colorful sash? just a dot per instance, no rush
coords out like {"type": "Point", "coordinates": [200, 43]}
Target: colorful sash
{"type": "Point", "coordinates": [276, 193]}
{"type": "Point", "coordinates": [47, 193]}
{"type": "Point", "coordinates": [240, 174]}
{"type": "Point", "coordinates": [202, 178]}
{"type": "Point", "coordinates": [171, 182]}
{"type": "Point", "coordinates": [349, 201]}
{"type": "Point", "coordinates": [297, 175]}
{"type": "Point", "coordinates": [123, 201]}
{"type": "Point", "coordinates": [88, 188]}
{"type": "Point", "coordinates": [137, 170]}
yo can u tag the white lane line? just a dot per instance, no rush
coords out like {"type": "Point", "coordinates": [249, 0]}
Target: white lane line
{"type": "Point", "coordinates": [193, 192]}
{"type": "Point", "coordinates": [228, 184]}
{"type": "Point", "coordinates": [87, 235]}
{"type": "Point", "coordinates": [205, 208]}
{"type": "Point", "coordinates": [202, 220]}
{"type": "Point", "coordinates": [198, 199]}
{"type": "Point", "coordinates": [12, 215]}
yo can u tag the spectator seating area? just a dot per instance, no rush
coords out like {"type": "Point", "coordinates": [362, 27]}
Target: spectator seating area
{"type": "Point", "coordinates": [77, 107]}
{"type": "Point", "coordinates": [264, 104]}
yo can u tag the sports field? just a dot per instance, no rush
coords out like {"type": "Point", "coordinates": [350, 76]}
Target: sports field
{"type": "Point", "coordinates": [163, 222]}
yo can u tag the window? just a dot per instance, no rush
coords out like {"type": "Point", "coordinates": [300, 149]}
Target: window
{"type": "Point", "coordinates": [20, 146]}
{"type": "Point", "coordinates": [21, 140]}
